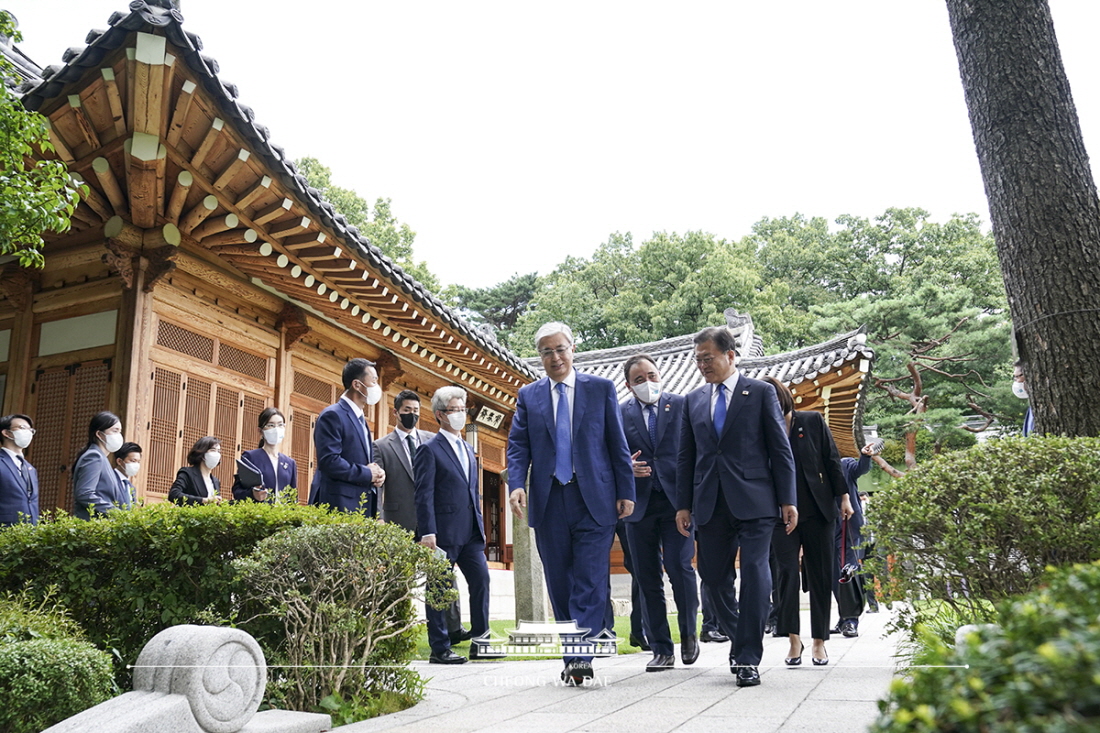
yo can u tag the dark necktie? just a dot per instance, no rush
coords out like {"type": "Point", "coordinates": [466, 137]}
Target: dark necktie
{"type": "Point", "coordinates": [412, 447]}
{"type": "Point", "coordinates": [26, 473]}
{"type": "Point", "coordinates": [651, 420]}
{"type": "Point", "coordinates": [366, 435]}
{"type": "Point", "coordinates": [720, 410]}
{"type": "Point", "coordinates": [563, 439]}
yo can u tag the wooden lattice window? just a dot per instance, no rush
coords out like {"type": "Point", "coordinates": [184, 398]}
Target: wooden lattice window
{"type": "Point", "coordinates": [492, 453]}
{"type": "Point", "coordinates": [241, 361]}
{"type": "Point", "coordinates": [312, 387]}
{"type": "Point", "coordinates": [160, 463]}
{"type": "Point", "coordinates": [196, 415]}
{"type": "Point", "coordinates": [180, 339]}
{"type": "Point", "coordinates": [227, 413]}
{"type": "Point", "coordinates": [250, 434]}
{"type": "Point", "coordinates": [301, 429]}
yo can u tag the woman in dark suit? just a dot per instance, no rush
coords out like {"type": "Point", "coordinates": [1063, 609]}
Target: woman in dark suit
{"type": "Point", "coordinates": [820, 482]}
{"type": "Point", "coordinates": [279, 471]}
{"type": "Point", "coordinates": [196, 483]}
{"type": "Point", "coordinates": [97, 487]}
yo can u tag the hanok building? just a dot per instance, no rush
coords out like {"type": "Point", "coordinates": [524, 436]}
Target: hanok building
{"type": "Point", "coordinates": [204, 280]}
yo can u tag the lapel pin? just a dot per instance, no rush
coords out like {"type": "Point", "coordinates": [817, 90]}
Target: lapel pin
{"type": "Point", "coordinates": [746, 392]}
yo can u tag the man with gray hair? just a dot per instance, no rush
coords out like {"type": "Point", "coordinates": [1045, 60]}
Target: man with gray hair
{"type": "Point", "coordinates": [448, 517]}
{"type": "Point", "coordinates": [568, 432]}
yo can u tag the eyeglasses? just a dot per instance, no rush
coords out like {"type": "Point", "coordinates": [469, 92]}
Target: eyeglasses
{"type": "Point", "coordinates": [560, 351]}
{"type": "Point", "coordinates": [274, 425]}
{"type": "Point", "coordinates": [451, 410]}
{"type": "Point", "coordinates": [703, 360]}
{"type": "Point", "coordinates": [14, 428]}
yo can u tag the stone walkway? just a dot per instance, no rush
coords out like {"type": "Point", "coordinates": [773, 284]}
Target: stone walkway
{"type": "Point", "coordinates": [528, 695]}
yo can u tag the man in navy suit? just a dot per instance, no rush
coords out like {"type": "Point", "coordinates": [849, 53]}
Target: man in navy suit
{"type": "Point", "coordinates": [448, 516]}
{"type": "Point", "coordinates": [567, 431]}
{"type": "Point", "coordinates": [651, 420]}
{"type": "Point", "coordinates": [346, 474]}
{"type": "Point", "coordinates": [735, 479]}
{"type": "Point", "coordinates": [18, 479]}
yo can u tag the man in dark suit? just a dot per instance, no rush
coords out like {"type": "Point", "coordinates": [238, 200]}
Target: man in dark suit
{"type": "Point", "coordinates": [448, 515]}
{"type": "Point", "coordinates": [735, 478]}
{"type": "Point", "coordinates": [347, 474]}
{"type": "Point", "coordinates": [395, 453]}
{"type": "Point", "coordinates": [18, 479]}
{"type": "Point", "coordinates": [651, 420]}
{"type": "Point", "coordinates": [567, 431]}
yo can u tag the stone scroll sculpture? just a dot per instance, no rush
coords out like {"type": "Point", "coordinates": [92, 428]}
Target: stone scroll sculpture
{"type": "Point", "coordinates": [195, 679]}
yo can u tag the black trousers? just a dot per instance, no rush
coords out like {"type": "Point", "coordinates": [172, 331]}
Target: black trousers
{"type": "Point", "coordinates": [814, 536]}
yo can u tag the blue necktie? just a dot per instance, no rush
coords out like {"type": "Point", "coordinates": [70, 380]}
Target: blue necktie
{"type": "Point", "coordinates": [563, 439]}
{"type": "Point", "coordinates": [464, 459]}
{"type": "Point", "coordinates": [651, 419]}
{"type": "Point", "coordinates": [720, 410]}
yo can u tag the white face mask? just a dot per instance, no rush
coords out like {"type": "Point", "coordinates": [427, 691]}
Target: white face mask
{"type": "Point", "coordinates": [131, 469]}
{"type": "Point", "coordinates": [457, 420]}
{"type": "Point", "coordinates": [211, 459]}
{"type": "Point", "coordinates": [373, 395]}
{"type": "Point", "coordinates": [22, 437]}
{"type": "Point", "coordinates": [113, 441]}
{"type": "Point", "coordinates": [1020, 390]}
{"type": "Point", "coordinates": [647, 392]}
{"type": "Point", "coordinates": [274, 436]}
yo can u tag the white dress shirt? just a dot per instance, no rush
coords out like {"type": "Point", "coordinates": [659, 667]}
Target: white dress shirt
{"type": "Point", "coordinates": [731, 384]}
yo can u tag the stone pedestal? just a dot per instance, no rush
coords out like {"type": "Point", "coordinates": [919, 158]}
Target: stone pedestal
{"type": "Point", "coordinates": [531, 597]}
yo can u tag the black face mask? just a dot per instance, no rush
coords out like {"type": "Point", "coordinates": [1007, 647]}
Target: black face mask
{"type": "Point", "coordinates": [409, 420]}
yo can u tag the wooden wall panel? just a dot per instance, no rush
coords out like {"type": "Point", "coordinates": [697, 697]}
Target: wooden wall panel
{"type": "Point", "coordinates": [160, 455]}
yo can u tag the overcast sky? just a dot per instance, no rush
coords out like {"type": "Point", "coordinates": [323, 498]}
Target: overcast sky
{"type": "Point", "coordinates": [510, 134]}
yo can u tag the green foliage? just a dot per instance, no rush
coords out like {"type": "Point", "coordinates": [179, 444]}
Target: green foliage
{"type": "Point", "coordinates": [47, 671]}
{"type": "Point", "coordinates": [340, 597]}
{"type": "Point", "coordinates": [500, 305]}
{"type": "Point", "coordinates": [930, 442]}
{"type": "Point", "coordinates": [380, 227]}
{"type": "Point", "coordinates": [36, 196]}
{"type": "Point", "coordinates": [1036, 670]}
{"type": "Point", "coordinates": [975, 527]}
{"type": "Point", "coordinates": [128, 576]}
{"type": "Point", "coordinates": [45, 681]}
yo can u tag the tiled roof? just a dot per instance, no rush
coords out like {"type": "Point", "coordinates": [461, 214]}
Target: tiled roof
{"type": "Point", "coordinates": [150, 17]}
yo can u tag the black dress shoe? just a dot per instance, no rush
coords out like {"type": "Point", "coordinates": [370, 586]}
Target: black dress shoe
{"type": "Point", "coordinates": [709, 636]}
{"type": "Point", "coordinates": [689, 650]}
{"type": "Point", "coordinates": [576, 672]}
{"type": "Point", "coordinates": [795, 661]}
{"type": "Point", "coordinates": [476, 653]}
{"type": "Point", "coordinates": [640, 643]}
{"type": "Point", "coordinates": [457, 637]}
{"type": "Point", "coordinates": [769, 628]}
{"type": "Point", "coordinates": [660, 662]}
{"type": "Point", "coordinates": [748, 677]}
{"type": "Point", "coordinates": [447, 657]}
{"type": "Point", "coordinates": [848, 629]}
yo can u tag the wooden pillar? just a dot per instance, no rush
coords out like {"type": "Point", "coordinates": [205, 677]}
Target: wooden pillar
{"type": "Point", "coordinates": [18, 286]}
{"type": "Point", "coordinates": [131, 388]}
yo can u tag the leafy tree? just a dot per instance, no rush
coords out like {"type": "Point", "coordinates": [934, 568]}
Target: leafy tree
{"type": "Point", "coordinates": [1042, 200]}
{"type": "Point", "coordinates": [380, 226]}
{"type": "Point", "coordinates": [499, 305]}
{"type": "Point", "coordinates": [36, 196]}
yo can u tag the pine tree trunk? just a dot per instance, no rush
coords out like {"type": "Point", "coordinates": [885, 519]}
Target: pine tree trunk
{"type": "Point", "coordinates": [1042, 201]}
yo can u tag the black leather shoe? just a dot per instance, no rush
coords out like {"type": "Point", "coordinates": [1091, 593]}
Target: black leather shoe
{"type": "Point", "coordinates": [457, 637]}
{"type": "Point", "coordinates": [748, 677]}
{"type": "Point", "coordinates": [576, 672]}
{"type": "Point", "coordinates": [689, 650]}
{"type": "Point", "coordinates": [640, 643]}
{"type": "Point", "coordinates": [769, 628]}
{"type": "Point", "coordinates": [848, 629]}
{"type": "Point", "coordinates": [476, 653]}
{"type": "Point", "coordinates": [660, 662]}
{"type": "Point", "coordinates": [795, 661]}
{"type": "Point", "coordinates": [447, 657]}
{"type": "Point", "coordinates": [709, 636]}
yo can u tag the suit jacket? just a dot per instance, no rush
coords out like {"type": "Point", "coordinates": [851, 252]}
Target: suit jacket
{"type": "Point", "coordinates": [398, 501]}
{"type": "Point", "coordinates": [853, 533]}
{"type": "Point", "coordinates": [342, 479]}
{"type": "Point", "coordinates": [818, 460]}
{"type": "Point", "coordinates": [601, 460]}
{"type": "Point", "coordinates": [96, 485]}
{"type": "Point", "coordinates": [447, 501]}
{"type": "Point", "coordinates": [662, 457]}
{"type": "Point", "coordinates": [288, 475]}
{"type": "Point", "coordinates": [750, 463]}
{"type": "Point", "coordinates": [189, 488]}
{"type": "Point", "coordinates": [15, 498]}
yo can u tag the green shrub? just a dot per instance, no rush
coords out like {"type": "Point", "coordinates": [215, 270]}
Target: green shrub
{"type": "Point", "coordinates": [1037, 670]}
{"type": "Point", "coordinates": [341, 597]}
{"type": "Point", "coordinates": [978, 526]}
{"type": "Point", "coordinates": [47, 671]}
{"type": "Point", "coordinates": [132, 574]}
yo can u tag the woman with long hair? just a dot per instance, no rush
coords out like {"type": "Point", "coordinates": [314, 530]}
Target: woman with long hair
{"type": "Point", "coordinates": [279, 471]}
{"type": "Point", "coordinates": [196, 483]}
{"type": "Point", "coordinates": [96, 486]}
{"type": "Point", "coordinates": [820, 482]}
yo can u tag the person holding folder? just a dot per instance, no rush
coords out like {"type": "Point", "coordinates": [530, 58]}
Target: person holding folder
{"type": "Point", "coordinates": [264, 473]}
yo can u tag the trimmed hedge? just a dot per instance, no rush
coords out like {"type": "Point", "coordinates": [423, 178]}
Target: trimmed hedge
{"type": "Point", "coordinates": [975, 527]}
{"type": "Point", "coordinates": [1037, 670]}
{"type": "Point", "coordinates": [45, 681]}
{"type": "Point", "coordinates": [127, 576]}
